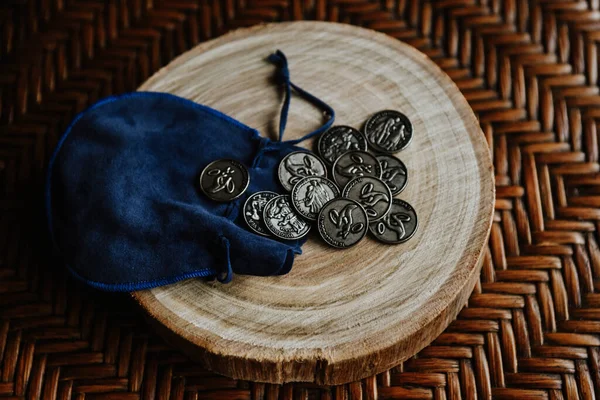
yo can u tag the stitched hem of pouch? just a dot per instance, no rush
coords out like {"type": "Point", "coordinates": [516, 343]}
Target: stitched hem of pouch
{"type": "Point", "coordinates": [130, 287]}
{"type": "Point", "coordinates": [285, 267]}
{"type": "Point", "coordinates": [143, 285]}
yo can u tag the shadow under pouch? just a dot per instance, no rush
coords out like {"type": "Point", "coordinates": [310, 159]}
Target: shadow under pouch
{"type": "Point", "coordinates": [124, 206]}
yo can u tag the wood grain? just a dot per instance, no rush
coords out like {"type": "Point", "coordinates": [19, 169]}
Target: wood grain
{"type": "Point", "coordinates": [338, 316]}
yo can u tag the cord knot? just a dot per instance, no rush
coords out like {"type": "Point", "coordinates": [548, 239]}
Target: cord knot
{"type": "Point", "coordinates": [279, 59]}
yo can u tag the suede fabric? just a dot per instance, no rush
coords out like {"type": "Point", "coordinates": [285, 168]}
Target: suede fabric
{"type": "Point", "coordinates": [123, 203]}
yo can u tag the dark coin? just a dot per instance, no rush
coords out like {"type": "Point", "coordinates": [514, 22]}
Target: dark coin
{"type": "Point", "coordinates": [224, 180]}
{"type": "Point", "coordinates": [388, 131]}
{"type": "Point", "coordinates": [398, 225]}
{"type": "Point", "coordinates": [372, 193]}
{"type": "Point", "coordinates": [352, 164]}
{"type": "Point", "coordinates": [393, 173]}
{"type": "Point", "coordinates": [310, 194]}
{"type": "Point", "coordinates": [298, 165]}
{"type": "Point", "coordinates": [282, 220]}
{"type": "Point", "coordinates": [253, 211]}
{"type": "Point", "coordinates": [339, 140]}
{"type": "Point", "coordinates": [342, 222]}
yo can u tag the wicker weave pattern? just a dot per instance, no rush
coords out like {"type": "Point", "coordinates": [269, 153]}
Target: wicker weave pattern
{"type": "Point", "coordinates": [529, 69]}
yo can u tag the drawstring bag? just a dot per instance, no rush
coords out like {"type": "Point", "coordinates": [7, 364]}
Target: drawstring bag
{"type": "Point", "coordinates": [124, 207]}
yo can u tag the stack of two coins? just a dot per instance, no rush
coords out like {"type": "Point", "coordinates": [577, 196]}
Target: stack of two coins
{"type": "Point", "coordinates": [288, 216]}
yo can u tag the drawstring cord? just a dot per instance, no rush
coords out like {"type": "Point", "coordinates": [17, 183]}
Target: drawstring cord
{"type": "Point", "coordinates": [283, 76]}
{"type": "Point", "coordinates": [229, 273]}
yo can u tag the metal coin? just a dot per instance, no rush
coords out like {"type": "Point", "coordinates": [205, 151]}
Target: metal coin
{"type": "Point", "coordinates": [253, 211]}
{"type": "Point", "coordinates": [352, 164]}
{"type": "Point", "coordinates": [388, 131]}
{"type": "Point", "coordinates": [372, 193]}
{"type": "Point", "coordinates": [310, 194]}
{"type": "Point", "coordinates": [339, 140]}
{"type": "Point", "coordinates": [342, 223]}
{"type": "Point", "coordinates": [282, 220]}
{"type": "Point", "coordinates": [224, 180]}
{"type": "Point", "coordinates": [298, 165]}
{"type": "Point", "coordinates": [397, 226]}
{"type": "Point", "coordinates": [393, 173]}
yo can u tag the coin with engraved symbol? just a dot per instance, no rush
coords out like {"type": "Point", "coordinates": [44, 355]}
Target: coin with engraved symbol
{"type": "Point", "coordinates": [282, 220]}
{"type": "Point", "coordinates": [393, 173]}
{"type": "Point", "coordinates": [338, 140]}
{"type": "Point", "coordinates": [352, 164]}
{"type": "Point", "coordinates": [398, 225]}
{"type": "Point", "coordinates": [298, 165]}
{"type": "Point", "coordinates": [388, 131]}
{"type": "Point", "coordinates": [224, 180]}
{"type": "Point", "coordinates": [372, 193]}
{"type": "Point", "coordinates": [310, 194]}
{"type": "Point", "coordinates": [253, 211]}
{"type": "Point", "coordinates": [342, 222]}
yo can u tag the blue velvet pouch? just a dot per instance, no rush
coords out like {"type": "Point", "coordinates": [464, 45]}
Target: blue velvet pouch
{"type": "Point", "coordinates": [123, 203]}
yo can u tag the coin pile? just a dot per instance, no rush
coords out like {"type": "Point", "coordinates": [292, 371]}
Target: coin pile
{"type": "Point", "coordinates": [358, 198]}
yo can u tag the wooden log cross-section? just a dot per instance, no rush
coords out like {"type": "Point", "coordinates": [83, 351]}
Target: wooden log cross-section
{"type": "Point", "coordinates": [339, 315]}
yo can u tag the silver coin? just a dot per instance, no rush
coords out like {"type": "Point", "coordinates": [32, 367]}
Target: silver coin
{"type": "Point", "coordinates": [352, 164]}
{"type": "Point", "coordinates": [388, 131]}
{"type": "Point", "coordinates": [398, 225]}
{"type": "Point", "coordinates": [372, 193]}
{"type": "Point", "coordinates": [298, 165]}
{"type": "Point", "coordinates": [282, 220]}
{"type": "Point", "coordinates": [342, 222]}
{"type": "Point", "coordinates": [393, 173]}
{"type": "Point", "coordinates": [339, 140]}
{"type": "Point", "coordinates": [224, 180]}
{"type": "Point", "coordinates": [310, 194]}
{"type": "Point", "coordinates": [253, 211]}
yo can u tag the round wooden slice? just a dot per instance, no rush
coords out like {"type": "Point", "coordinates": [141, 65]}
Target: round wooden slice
{"type": "Point", "coordinates": [339, 315]}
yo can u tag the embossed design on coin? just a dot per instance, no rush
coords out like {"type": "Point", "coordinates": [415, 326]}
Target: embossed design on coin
{"type": "Point", "coordinates": [253, 211]}
{"type": "Point", "coordinates": [310, 195]}
{"type": "Point", "coordinates": [281, 219]}
{"type": "Point", "coordinates": [342, 222]}
{"type": "Point", "coordinates": [298, 165]}
{"type": "Point", "coordinates": [398, 225]}
{"type": "Point", "coordinates": [353, 164]}
{"type": "Point", "coordinates": [339, 140]}
{"type": "Point", "coordinates": [224, 180]}
{"type": "Point", "coordinates": [388, 131]}
{"type": "Point", "coordinates": [372, 193]}
{"type": "Point", "coordinates": [393, 173]}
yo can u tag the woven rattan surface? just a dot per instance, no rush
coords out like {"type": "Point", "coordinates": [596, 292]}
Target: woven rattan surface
{"type": "Point", "coordinates": [528, 68]}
